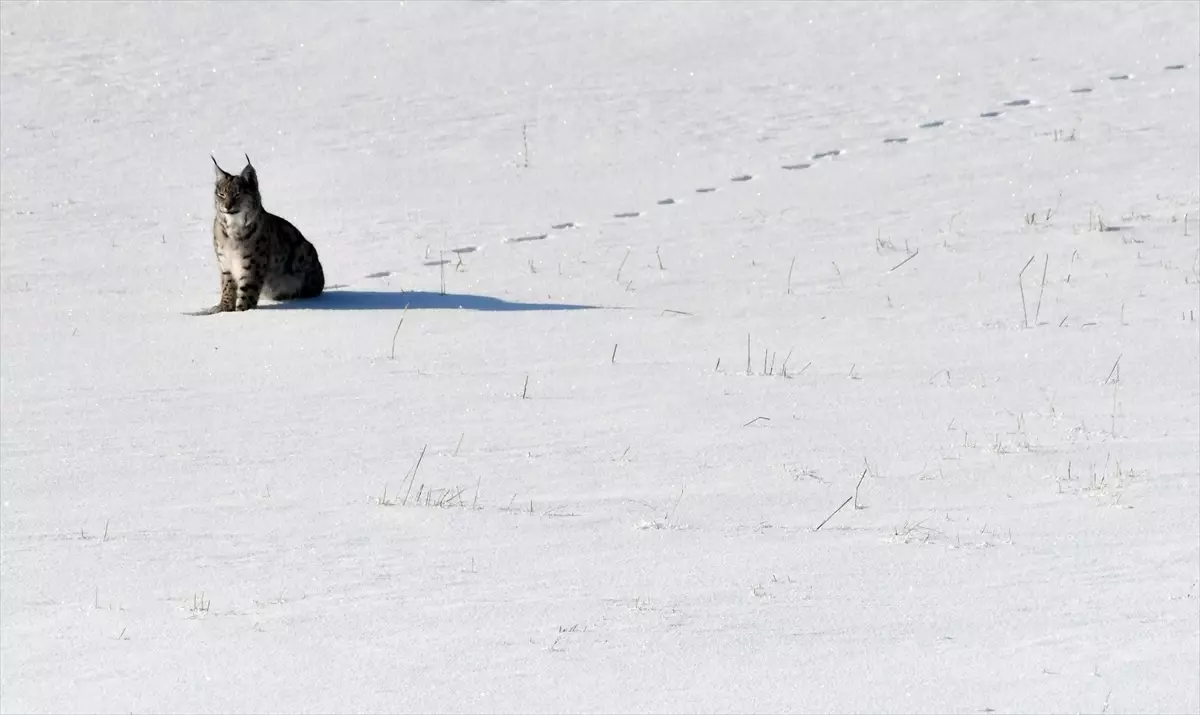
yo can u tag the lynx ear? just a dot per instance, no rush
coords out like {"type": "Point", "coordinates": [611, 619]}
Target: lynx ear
{"type": "Point", "coordinates": [221, 174]}
{"type": "Point", "coordinates": [249, 174]}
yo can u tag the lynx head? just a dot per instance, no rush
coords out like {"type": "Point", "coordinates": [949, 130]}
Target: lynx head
{"type": "Point", "coordinates": [235, 193]}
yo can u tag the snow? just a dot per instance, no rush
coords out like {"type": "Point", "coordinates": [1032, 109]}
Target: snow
{"type": "Point", "coordinates": [989, 335]}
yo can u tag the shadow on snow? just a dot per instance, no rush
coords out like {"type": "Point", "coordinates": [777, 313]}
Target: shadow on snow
{"type": "Point", "coordinates": [414, 300]}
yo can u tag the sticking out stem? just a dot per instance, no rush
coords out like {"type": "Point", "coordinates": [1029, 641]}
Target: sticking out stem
{"type": "Point", "coordinates": [1036, 313]}
{"type": "Point", "coordinates": [906, 260]}
{"type": "Point", "coordinates": [413, 476]}
{"type": "Point", "coordinates": [835, 511]}
{"type": "Point", "coordinates": [525, 145]}
{"type": "Point", "coordinates": [626, 258]}
{"type": "Point", "coordinates": [1116, 370]}
{"type": "Point", "coordinates": [1021, 285]}
{"type": "Point", "coordinates": [404, 313]}
{"type": "Point", "coordinates": [856, 486]}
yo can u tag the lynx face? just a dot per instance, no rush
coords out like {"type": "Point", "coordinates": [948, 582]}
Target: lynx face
{"type": "Point", "coordinates": [236, 193]}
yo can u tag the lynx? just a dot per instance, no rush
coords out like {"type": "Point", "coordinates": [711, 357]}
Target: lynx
{"type": "Point", "coordinates": [258, 252]}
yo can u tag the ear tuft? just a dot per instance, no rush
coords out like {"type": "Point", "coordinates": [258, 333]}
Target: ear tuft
{"type": "Point", "coordinates": [221, 174]}
{"type": "Point", "coordinates": [249, 174]}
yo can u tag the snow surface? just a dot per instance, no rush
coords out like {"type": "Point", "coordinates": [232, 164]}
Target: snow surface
{"type": "Point", "coordinates": [616, 508]}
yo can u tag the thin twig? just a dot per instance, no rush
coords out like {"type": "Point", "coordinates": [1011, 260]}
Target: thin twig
{"type": "Point", "coordinates": [626, 258]}
{"type": "Point", "coordinates": [1021, 285]}
{"type": "Point", "coordinates": [613, 359]}
{"type": "Point", "coordinates": [1112, 430]}
{"type": "Point", "coordinates": [525, 390]}
{"type": "Point", "coordinates": [790, 267]}
{"type": "Point", "coordinates": [404, 313]}
{"type": "Point", "coordinates": [783, 368]}
{"type": "Point", "coordinates": [1036, 313]}
{"type": "Point", "coordinates": [671, 516]}
{"type": "Point", "coordinates": [413, 476]}
{"type": "Point", "coordinates": [906, 260]}
{"type": "Point", "coordinates": [856, 486]}
{"type": "Point", "coordinates": [835, 511]}
{"type": "Point", "coordinates": [756, 419]}
{"type": "Point", "coordinates": [1116, 368]}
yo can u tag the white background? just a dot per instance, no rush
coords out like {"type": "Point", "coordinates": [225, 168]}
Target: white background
{"type": "Point", "coordinates": [209, 513]}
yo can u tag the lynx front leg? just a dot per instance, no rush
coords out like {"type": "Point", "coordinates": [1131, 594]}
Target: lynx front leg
{"type": "Point", "coordinates": [249, 286]}
{"type": "Point", "coordinates": [228, 293]}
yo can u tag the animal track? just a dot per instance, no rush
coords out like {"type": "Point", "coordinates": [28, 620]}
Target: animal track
{"type": "Point", "coordinates": [798, 166]}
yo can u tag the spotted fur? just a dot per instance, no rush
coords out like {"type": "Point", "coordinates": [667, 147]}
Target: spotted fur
{"type": "Point", "coordinates": [259, 253]}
